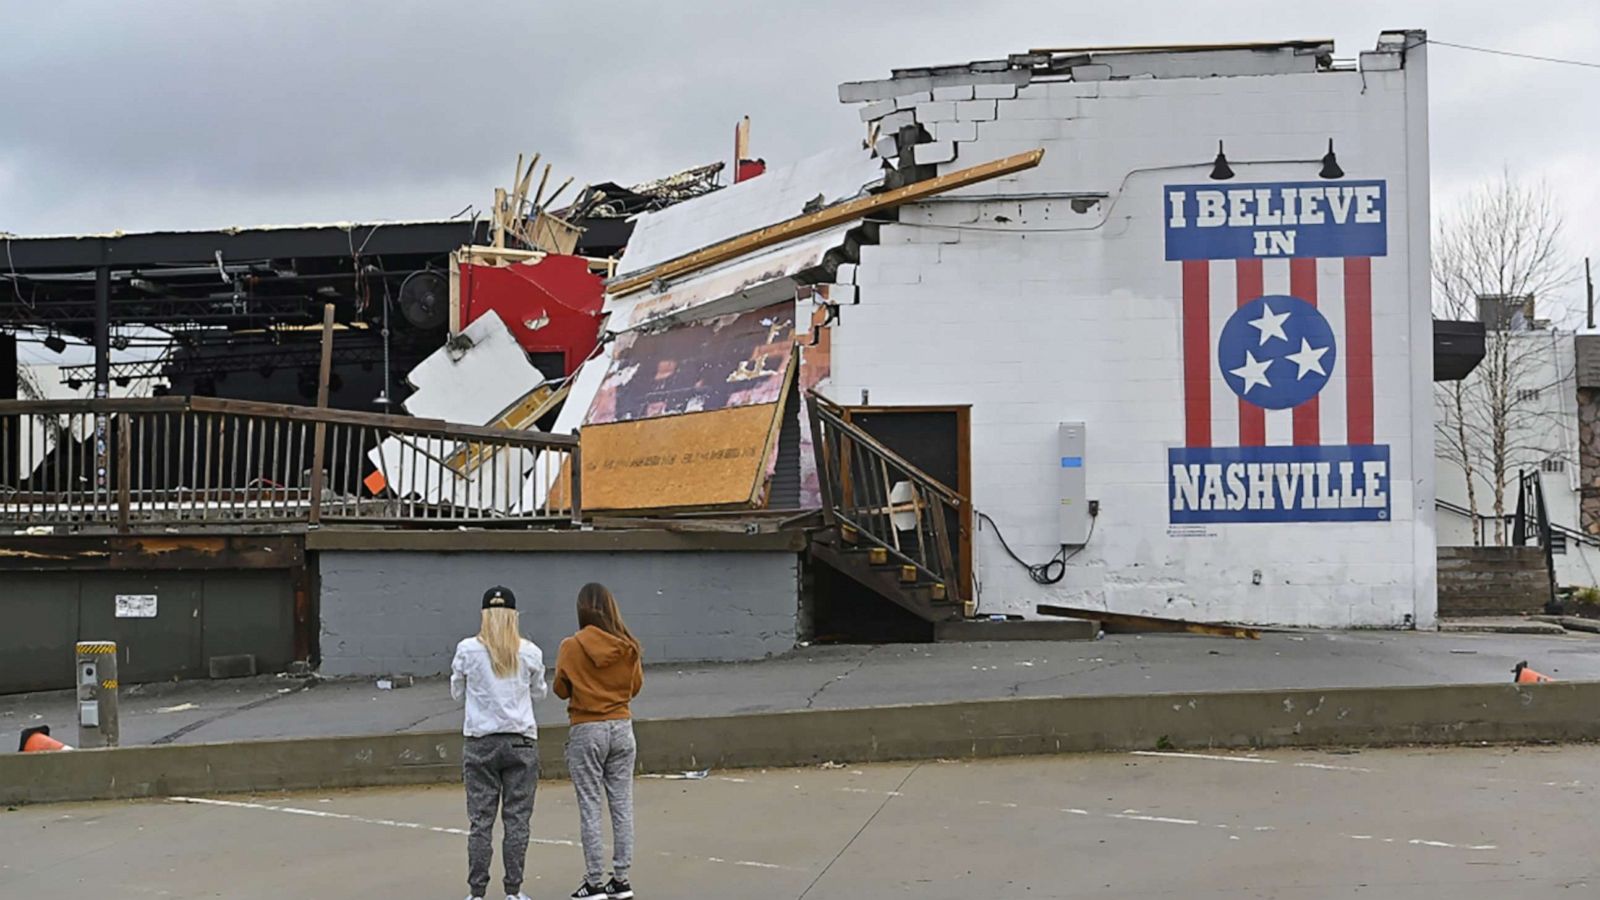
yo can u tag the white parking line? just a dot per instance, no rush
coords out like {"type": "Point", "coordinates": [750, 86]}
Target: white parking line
{"type": "Point", "coordinates": [418, 826]}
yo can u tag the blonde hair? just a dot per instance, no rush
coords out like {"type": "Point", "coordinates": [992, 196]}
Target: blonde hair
{"type": "Point", "coordinates": [501, 635]}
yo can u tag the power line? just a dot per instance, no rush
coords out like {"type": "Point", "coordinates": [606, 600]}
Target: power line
{"type": "Point", "coordinates": [1533, 56]}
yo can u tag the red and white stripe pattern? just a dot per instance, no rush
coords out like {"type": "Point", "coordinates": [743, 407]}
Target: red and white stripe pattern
{"type": "Point", "coordinates": [1340, 414]}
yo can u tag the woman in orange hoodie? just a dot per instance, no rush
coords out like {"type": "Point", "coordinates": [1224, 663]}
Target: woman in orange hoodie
{"type": "Point", "coordinates": [598, 672]}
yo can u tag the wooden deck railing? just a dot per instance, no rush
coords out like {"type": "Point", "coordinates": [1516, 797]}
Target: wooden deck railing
{"type": "Point", "coordinates": [885, 500]}
{"type": "Point", "coordinates": [169, 461]}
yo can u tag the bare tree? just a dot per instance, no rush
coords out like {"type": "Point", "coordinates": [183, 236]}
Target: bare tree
{"type": "Point", "coordinates": [1501, 242]}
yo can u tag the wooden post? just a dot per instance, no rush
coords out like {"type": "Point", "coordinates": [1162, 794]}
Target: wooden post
{"type": "Point", "coordinates": [319, 441]}
{"type": "Point", "coordinates": [124, 471]}
{"type": "Point", "coordinates": [575, 480]}
{"type": "Point", "coordinates": [499, 232]}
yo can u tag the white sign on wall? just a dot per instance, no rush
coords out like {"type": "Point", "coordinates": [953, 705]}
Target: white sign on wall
{"type": "Point", "coordinates": [136, 606]}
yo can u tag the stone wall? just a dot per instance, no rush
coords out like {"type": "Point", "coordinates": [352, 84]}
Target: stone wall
{"type": "Point", "coordinates": [1492, 581]}
{"type": "Point", "coordinates": [1589, 459]}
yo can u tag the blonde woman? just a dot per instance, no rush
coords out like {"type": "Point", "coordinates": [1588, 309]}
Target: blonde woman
{"type": "Point", "coordinates": [499, 674]}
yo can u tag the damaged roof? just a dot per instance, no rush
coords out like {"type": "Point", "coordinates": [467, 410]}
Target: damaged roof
{"type": "Point", "coordinates": [781, 193]}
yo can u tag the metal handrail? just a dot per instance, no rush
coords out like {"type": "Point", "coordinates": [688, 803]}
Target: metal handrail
{"type": "Point", "coordinates": [870, 489]}
{"type": "Point", "coordinates": [1532, 522]}
{"type": "Point", "coordinates": [1566, 531]}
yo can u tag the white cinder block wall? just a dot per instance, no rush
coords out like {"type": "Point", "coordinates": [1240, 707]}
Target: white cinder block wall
{"type": "Point", "coordinates": [1048, 297]}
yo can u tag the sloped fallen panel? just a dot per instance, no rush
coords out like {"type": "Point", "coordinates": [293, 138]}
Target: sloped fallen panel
{"type": "Point", "coordinates": [707, 459]}
{"type": "Point", "coordinates": [476, 376]}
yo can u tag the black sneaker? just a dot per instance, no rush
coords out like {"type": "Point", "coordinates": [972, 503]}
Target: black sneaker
{"type": "Point", "coordinates": [619, 890]}
{"type": "Point", "coordinates": [587, 891]}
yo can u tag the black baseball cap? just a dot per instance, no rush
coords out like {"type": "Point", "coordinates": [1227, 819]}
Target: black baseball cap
{"type": "Point", "coordinates": [499, 597]}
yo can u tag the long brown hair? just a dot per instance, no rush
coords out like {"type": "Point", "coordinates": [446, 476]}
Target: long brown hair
{"type": "Point", "coordinates": [499, 633]}
{"type": "Point", "coordinates": [597, 607]}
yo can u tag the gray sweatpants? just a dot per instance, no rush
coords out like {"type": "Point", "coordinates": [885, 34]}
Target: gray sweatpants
{"type": "Point", "coordinates": [501, 771]}
{"type": "Point", "coordinates": [600, 759]}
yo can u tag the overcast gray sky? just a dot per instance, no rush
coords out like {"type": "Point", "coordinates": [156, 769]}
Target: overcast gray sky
{"type": "Point", "coordinates": [201, 113]}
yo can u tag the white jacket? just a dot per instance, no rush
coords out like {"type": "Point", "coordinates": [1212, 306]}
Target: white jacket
{"type": "Point", "coordinates": [497, 705]}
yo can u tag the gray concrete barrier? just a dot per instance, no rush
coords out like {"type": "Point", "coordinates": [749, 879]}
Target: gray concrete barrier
{"type": "Point", "coordinates": [1246, 719]}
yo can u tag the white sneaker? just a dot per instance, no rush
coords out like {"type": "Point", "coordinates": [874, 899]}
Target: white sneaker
{"type": "Point", "coordinates": [516, 897]}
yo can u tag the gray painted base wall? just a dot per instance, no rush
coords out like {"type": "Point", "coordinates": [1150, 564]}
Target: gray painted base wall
{"type": "Point", "coordinates": [397, 612]}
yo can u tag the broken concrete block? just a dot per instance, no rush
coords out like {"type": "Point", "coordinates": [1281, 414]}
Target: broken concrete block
{"type": "Point", "coordinates": [898, 120]}
{"type": "Point", "coordinates": [994, 91]}
{"type": "Point", "coordinates": [932, 153]}
{"type": "Point", "coordinates": [975, 110]}
{"type": "Point", "coordinates": [883, 89]}
{"type": "Point", "coordinates": [955, 131]}
{"type": "Point", "coordinates": [845, 274]}
{"type": "Point", "coordinates": [907, 101]}
{"type": "Point", "coordinates": [841, 294]}
{"type": "Point", "coordinates": [876, 110]}
{"type": "Point", "coordinates": [1091, 72]}
{"type": "Point", "coordinates": [887, 147]}
{"type": "Point", "coordinates": [937, 111]}
{"type": "Point", "coordinates": [955, 92]}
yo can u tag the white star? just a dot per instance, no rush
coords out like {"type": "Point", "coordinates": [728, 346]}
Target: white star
{"type": "Point", "coordinates": [1270, 324]}
{"type": "Point", "coordinates": [1253, 372]}
{"type": "Point", "coordinates": [1307, 359]}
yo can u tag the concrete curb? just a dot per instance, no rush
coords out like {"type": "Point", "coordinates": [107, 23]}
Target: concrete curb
{"type": "Point", "coordinates": [1299, 718]}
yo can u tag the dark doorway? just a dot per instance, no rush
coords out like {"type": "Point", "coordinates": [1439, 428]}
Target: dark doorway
{"type": "Point", "coordinates": [937, 440]}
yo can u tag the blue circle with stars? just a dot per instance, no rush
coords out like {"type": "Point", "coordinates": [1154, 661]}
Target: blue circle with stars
{"type": "Point", "coordinates": [1276, 351]}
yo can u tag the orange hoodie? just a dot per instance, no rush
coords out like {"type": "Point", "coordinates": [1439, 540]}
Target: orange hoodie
{"type": "Point", "coordinates": [597, 673]}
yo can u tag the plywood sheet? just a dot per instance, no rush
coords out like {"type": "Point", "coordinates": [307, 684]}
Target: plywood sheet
{"type": "Point", "coordinates": [707, 459]}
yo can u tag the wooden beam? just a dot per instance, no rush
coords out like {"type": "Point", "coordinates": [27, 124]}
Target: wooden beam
{"type": "Point", "coordinates": [325, 365]}
{"type": "Point", "coordinates": [741, 141]}
{"type": "Point", "coordinates": [1128, 623]}
{"type": "Point", "coordinates": [826, 218]}
{"type": "Point", "coordinates": [320, 431]}
{"type": "Point", "coordinates": [499, 232]}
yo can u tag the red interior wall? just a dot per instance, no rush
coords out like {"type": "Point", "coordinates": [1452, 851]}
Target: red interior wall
{"type": "Point", "coordinates": [558, 287]}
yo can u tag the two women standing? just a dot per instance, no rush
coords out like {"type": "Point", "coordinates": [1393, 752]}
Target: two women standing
{"type": "Point", "coordinates": [499, 674]}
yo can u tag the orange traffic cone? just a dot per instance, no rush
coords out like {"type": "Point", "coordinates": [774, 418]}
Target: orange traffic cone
{"type": "Point", "coordinates": [38, 740]}
{"type": "Point", "coordinates": [1525, 675]}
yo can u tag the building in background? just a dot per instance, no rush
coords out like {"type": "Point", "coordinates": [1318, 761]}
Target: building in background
{"type": "Point", "coordinates": [1533, 397]}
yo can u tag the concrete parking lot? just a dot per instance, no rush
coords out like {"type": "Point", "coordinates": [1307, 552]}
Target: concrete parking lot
{"type": "Point", "coordinates": [1490, 822]}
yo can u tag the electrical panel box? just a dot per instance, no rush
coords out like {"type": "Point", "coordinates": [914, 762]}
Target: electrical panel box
{"type": "Point", "coordinates": [1073, 516]}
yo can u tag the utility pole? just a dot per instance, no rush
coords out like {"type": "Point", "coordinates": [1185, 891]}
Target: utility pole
{"type": "Point", "coordinates": [1588, 281]}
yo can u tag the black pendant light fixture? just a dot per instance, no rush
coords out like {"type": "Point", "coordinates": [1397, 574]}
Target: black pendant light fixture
{"type": "Point", "coordinates": [1330, 164]}
{"type": "Point", "coordinates": [1220, 170]}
